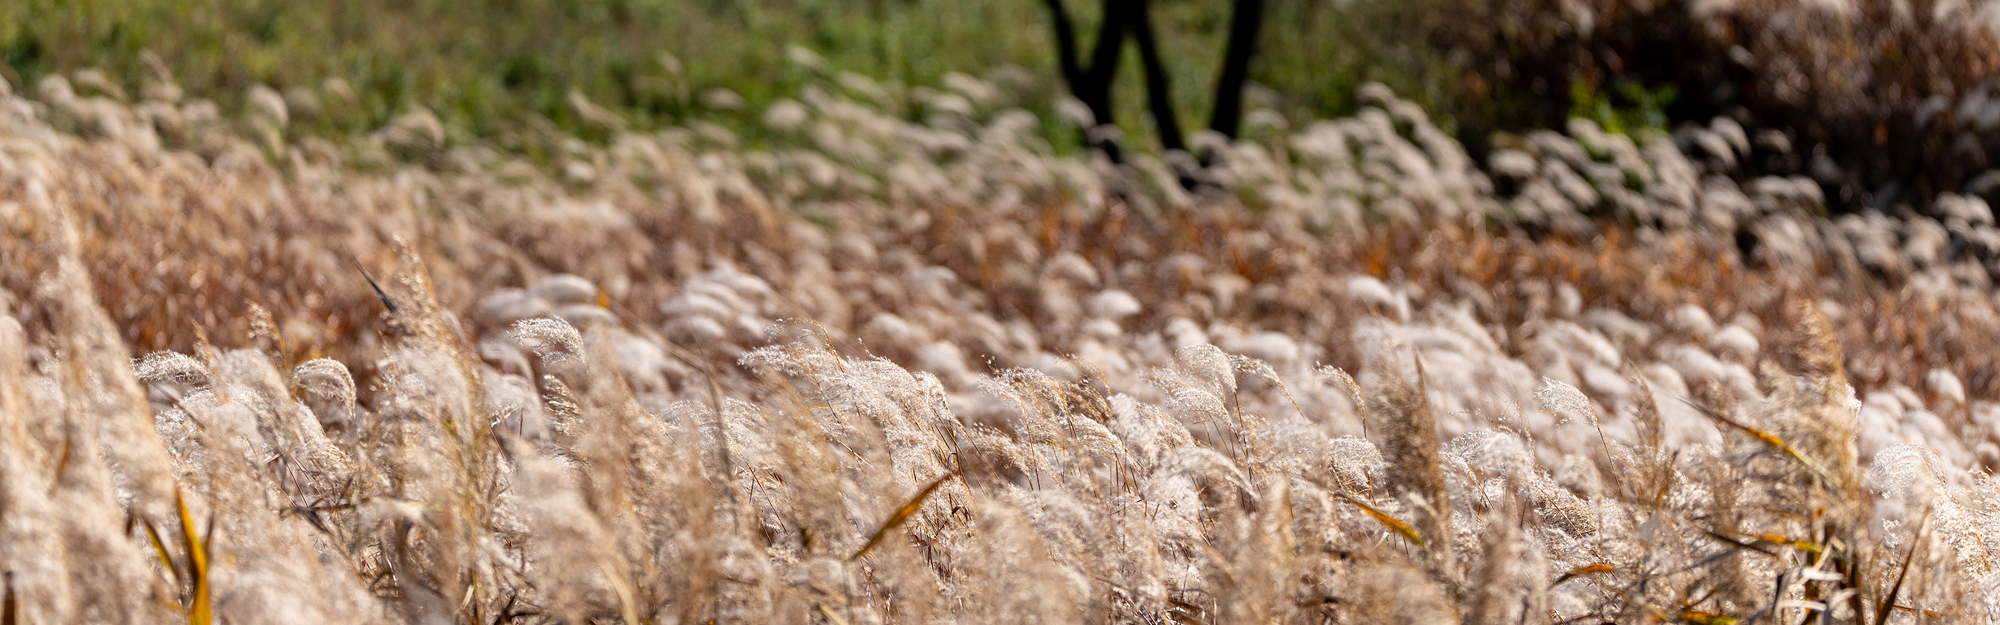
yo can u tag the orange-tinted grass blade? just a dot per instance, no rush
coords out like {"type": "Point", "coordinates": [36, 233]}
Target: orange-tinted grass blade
{"type": "Point", "coordinates": [1752, 545]}
{"type": "Point", "coordinates": [1767, 437]}
{"type": "Point", "coordinates": [902, 514]}
{"type": "Point", "coordinates": [1589, 569]}
{"type": "Point", "coordinates": [202, 610]}
{"type": "Point", "coordinates": [1384, 518]}
{"type": "Point", "coordinates": [1929, 614]}
{"type": "Point", "coordinates": [1782, 541]}
{"type": "Point", "coordinates": [1696, 617]}
{"type": "Point", "coordinates": [160, 551]}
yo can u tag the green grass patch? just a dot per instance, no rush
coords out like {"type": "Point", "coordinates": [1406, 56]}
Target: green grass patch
{"type": "Point", "coordinates": [489, 68]}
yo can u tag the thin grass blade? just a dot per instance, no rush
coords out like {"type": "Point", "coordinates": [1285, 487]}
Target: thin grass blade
{"type": "Point", "coordinates": [10, 610]}
{"type": "Point", "coordinates": [1386, 519]}
{"type": "Point", "coordinates": [902, 514]}
{"type": "Point", "coordinates": [1588, 569]}
{"type": "Point", "coordinates": [160, 551]}
{"type": "Point", "coordinates": [201, 610]}
{"type": "Point", "coordinates": [1767, 437]}
{"type": "Point", "coordinates": [1889, 600]}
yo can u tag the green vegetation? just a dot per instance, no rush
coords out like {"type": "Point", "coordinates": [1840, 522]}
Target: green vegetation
{"type": "Point", "coordinates": [487, 66]}
{"type": "Point", "coordinates": [1627, 107]}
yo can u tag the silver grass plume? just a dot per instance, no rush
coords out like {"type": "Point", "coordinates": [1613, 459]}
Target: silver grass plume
{"type": "Point", "coordinates": [1399, 414]}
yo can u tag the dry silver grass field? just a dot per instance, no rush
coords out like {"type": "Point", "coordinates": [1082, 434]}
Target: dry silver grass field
{"type": "Point", "coordinates": [917, 372]}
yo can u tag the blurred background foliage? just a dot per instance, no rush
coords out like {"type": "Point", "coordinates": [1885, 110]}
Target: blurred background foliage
{"type": "Point", "coordinates": [487, 66]}
{"type": "Point", "coordinates": [1884, 102]}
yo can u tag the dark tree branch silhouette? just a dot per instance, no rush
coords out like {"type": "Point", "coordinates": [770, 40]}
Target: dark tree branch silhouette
{"type": "Point", "coordinates": [1244, 26]}
{"type": "Point", "coordinates": [1072, 71]}
{"type": "Point", "coordinates": [1092, 84]}
{"type": "Point", "coordinates": [1159, 95]}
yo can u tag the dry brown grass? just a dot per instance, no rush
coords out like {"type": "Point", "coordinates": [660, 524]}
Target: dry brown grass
{"type": "Point", "coordinates": [1036, 389]}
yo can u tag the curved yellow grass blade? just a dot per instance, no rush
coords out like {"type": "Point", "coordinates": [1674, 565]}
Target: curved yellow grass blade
{"type": "Point", "coordinates": [160, 551]}
{"type": "Point", "coordinates": [902, 514]}
{"type": "Point", "coordinates": [1767, 437]}
{"type": "Point", "coordinates": [1588, 569]}
{"type": "Point", "coordinates": [202, 610]}
{"type": "Point", "coordinates": [1383, 517]}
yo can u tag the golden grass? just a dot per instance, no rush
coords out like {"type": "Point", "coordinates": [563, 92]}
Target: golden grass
{"type": "Point", "coordinates": [1076, 397]}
